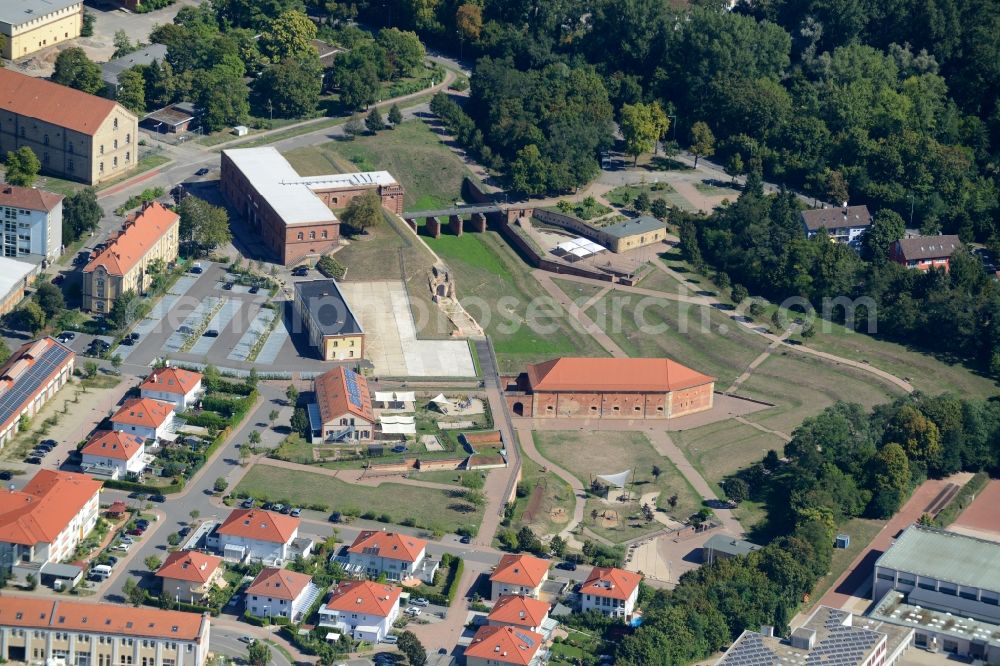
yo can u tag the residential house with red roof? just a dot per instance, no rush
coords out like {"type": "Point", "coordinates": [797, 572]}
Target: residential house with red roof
{"type": "Point", "coordinates": [280, 593]}
{"type": "Point", "coordinates": [75, 135]}
{"type": "Point", "coordinates": [34, 630]}
{"type": "Point", "coordinates": [43, 522]}
{"type": "Point", "coordinates": [29, 379]}
{"type": "Point", "coordinates": [362, 609]}
{"type": "Point", "coordinates": [144, 417]}
{"type": "Point", "coordinates": [925, 252]}
{"type": "Point", "coordinates": [256, 535]}
{"type": "Point", "coordinates": [189, 575]}
{"type": "Point", "coordinates": [610, 591]}
{"type": "Point", "coordinates": [609, 388]}
{"type": "Point", "coordinates": [517, 610]}
{"type": "Point", "coordinates": [114, 454]}
{"type": "Point", "coordinates": [174, 385]}
{"type": "Point", "coordinates": [519, 575]}
{"type": "Point", "coordinates": [151, 235]}
{"type": "Point", "coordinates": [396, 556]}
{"type": "Point", "coordinates": [499, 645]}
{"type": "Point", "coordinates": [32, 222]}
{"type": "Point", "coordinates": [343, 408]}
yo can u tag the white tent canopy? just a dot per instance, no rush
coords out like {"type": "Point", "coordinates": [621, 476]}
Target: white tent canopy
{"type": "Point", "coordinates": [441, 400]}
{"type": "Point", "coordinates": [395, 396]}
{"type": "Point", "coordinates": [617, 480]}
{"type": "Point", "coordinates": [398, 425]}
{"type": "Point", "coordinates": [579, 247]}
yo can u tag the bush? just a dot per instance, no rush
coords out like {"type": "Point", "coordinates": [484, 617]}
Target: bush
{"type": "Point", "coordinates": [330, 267]}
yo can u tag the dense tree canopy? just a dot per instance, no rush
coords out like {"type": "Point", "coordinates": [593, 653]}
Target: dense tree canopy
{"type": "Point", "coordinates": [76, 70]}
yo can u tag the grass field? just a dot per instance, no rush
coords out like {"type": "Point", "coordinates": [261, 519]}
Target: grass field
{"type": "Point", "coordinates": [428, 507]}
{"type": "Point", "coordinates": [498, 290]}
{"type": "Point", "coordinates": [801, 386]}
{"type": "Point", "coordinates": [924, 371]}
{"type": "Point", "coordinates": [715, 190]}
{"type": "Point", "coordinates": [719, 449]}
{"type": "Point", "coordinates": [624, 195]}
{"type": "Point", "coordinates": [430, 172]}
{"type": "Point", "coordinates": [862, 531]}
{"type": "Point", "coordinates": [557, 501]}
{"type": "Point", "coordinates": [585, 454]}
{"type": "Point", "coordinates": [700, 337]}
{"type": "Point", "coordinates": [580, 292]}
{"type": "Point", "coordinates": [657, 280]}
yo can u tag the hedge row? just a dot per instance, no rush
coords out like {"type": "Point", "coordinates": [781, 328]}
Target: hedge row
{"type": "Point", "coordinates": [962, 499]}
{"type": "Point", "coordinates": [455, 567]}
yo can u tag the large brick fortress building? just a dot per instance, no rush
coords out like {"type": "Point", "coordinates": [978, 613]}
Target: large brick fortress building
{"type": "Point", "coordinates": [609, 388]}
{"type": "Point", "coordinates": [292, 213]}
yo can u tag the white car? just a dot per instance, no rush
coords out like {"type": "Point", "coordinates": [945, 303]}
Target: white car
{"type": "Point", "coordinates": [391, 639]}
{"type": "Point", "coordinates": [420, 601]}
{"type": "Point", "coordinates": [124, 547]}
{"type": "Point", "coordinates": [413, 612]}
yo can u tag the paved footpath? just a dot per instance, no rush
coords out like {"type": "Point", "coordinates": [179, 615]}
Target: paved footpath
{"type": "Point", "coordinates": [528, 447]}
{"type": "Point", "coordinates": [582, 321]}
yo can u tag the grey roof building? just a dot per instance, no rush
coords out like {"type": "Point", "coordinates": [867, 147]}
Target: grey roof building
{"type": "Point", "coordinates": [725, 546]}
{"type": "Point", "coordinates": [321, 309]}
{"type": "Point", "coordinates": [844, 224]}
{"type": "Point", "coordinates": [830, 637]}
{"type": "Point", "coordinates": [638, 225]}
{"type": "Point", "coordinates": [144, 56]}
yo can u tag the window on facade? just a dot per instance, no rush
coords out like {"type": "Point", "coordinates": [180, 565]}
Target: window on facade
{"type": "Point", "coordinates": [102, 149]}
{"type": "Point", "coordinates": [324, 233]}
{"type": "Point", "coordinates": [128, 138]}
{"type": "Point", "coordinates": [100, 167]}
{"type": "Point", "coordinates": [22, 131]}
{"type": "Point", "coordinates": [114, 163]}
{"type": "Point", "coordinates": [69, 148]}
{"type": "Point", "coordinates": [300, 236]}
{"type": "Point", "coordinates": [45, 139]}
{"type": "Point", "coordinates": [312, 235]}
{"type": "Point", "coordinates": [115, 123]}
{"type": "Point", "coordinates": [116, 144]}
{"type": "Point", "coordinates": [128, 156]}
{"type": "Point", "coordinates": [45, 158]}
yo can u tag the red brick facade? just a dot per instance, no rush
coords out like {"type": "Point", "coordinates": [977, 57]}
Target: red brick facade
{"type": "Point", "coordinates": [292, 243]}
{"type": "Point", "coordinates": [609, 389]}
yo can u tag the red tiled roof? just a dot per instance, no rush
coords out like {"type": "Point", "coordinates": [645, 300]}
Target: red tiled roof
{"type": "Point", "coordinates": [523, 570]}
{"type": "Point", "coordinates": [43, 509]}
{"type": "Point", "coordinates": [509, 645]}
{"type": "Point", "coordinates": [143, 412]}
{"type": "Point", "coordinates": [279, 584]}
{"type": "Point", "coordinates": [637, 375]}
{"type": "Point", "coordinates": [171, 380]}
{"type": "Point", "coordinates": [519, 610]}
{"type": "Point", "coordinates": [113, 444]}
{"type": "Point", "coordinates": [392, 545]}
{"type": "Point", "coordinates": [117, 507]}
{"type": "Point", "coordinates": [260, 525]}
{"type": "Point", "coordinates": [67, 107]}
{"type": "Point", "coordinates": [77, 616]}
{"type": "Point", "coordinates": [364, 596]}
{"type": "Point", "coordinates": [15, 369]}
{"type": "Point", "coordinates": [28, 198]}
{"type": "Point", "coordinates": [134, 240]}
{"type": "Point", "coordinates": [610, 582]}
{"type": "Point", "coordinates": [334, 398]}
{"type": "Point", "coordinates": [189, 565]}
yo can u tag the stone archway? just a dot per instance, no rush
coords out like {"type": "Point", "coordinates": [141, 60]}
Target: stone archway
{"type": "Point", "coordinates": [518, 408]}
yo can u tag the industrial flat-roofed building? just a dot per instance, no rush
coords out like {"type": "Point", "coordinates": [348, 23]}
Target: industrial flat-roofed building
{"type": "Point", "coordinates": [31, 25]}
{"type": "Point", "coordinates": [327, 317]}
{"type": "Point", "coordinates": [29, 379]}
{"type": "Point", "coordinates": [947, 586]}
{"type": "Point", "coordinates": [15, 277]}
{"type": "Point", "coordinates": [829, 636]}
{"type": "Point", "coordinates": [627, 388]}
{"type": "Point", "coordinates": [292, 212]}
{"type": "Point", "coordinates": [32, 222]}
{"type": "Point", "coordinates": [48, 631]}
{"type": "Point", "coordinates": [75, 135]}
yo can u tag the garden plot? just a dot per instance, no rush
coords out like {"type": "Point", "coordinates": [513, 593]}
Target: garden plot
{"type": "Point", "coordinates": [258, 327]}
{"type": "Point", "coordinates": [221, 319]}
{"type": "Point", "coordinates": [194, 321]}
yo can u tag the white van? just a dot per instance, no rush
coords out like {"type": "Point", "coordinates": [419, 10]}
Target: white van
{"type": "Point", "coordinates": [100, 572]}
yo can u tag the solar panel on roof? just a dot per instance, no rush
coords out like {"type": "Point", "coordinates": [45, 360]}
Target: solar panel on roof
{"type": "Point", "coordinates": [353, 391]}
{"type": "Point", "coordinates": [30, 381]}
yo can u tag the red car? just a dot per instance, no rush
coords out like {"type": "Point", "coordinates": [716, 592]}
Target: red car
{"type": "Point", "coordinates": [135, 531]}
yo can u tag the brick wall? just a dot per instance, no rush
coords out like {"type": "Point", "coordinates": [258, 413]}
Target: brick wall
{"type": "Point", "coordinates": [623, 405]}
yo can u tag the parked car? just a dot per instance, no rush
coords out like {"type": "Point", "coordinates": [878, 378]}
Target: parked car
{"type": "Point", "coordinates": [201, 172]}
{"type": "Point", "coordinates": [48, 444]}
{"type": "Point", "coordinates": [254, 289]}
{"type": "Point", "coordinates": [228, 286]}
{"type": "Point", "coordinates": [391, 639]}
{"type": "Point", "coordinates": [419, 601]}
{"type": "Point", "coordinates": [124, 547]}
{"type": "Point", "coordinates": [566, 566]}
{"type": "Point", "coordinates": [300, 271]}
{"type": "Point", "coordinates": [34, 460]}
{"type": "Point", "coordinates": [285, 510]}
{"type": "Point", "coordinates": [6, 475]}
{"type": "Point", "coordinates": [210, 333]}
{"type": "Point", "coordinates": [247, 639]}
{"type": "Point", "coordinates": [135, 531]}
{"type": "Point", "coordinates": [66, 336]}
{"type": "Point", "coordinates": [157, 498]}
{"type": "Point", "coordinates": [296, 512]}
{"type": "Point", "coordinates": [197, 269]}
{"type": "Point", "coordinates": [247, 503]}
{"type": "Point", "coordinates": [59, 279]}
{"type": "Point", "coordinates": [125, 538]}
{"type": "Point", "coordinates": [465, 539]}
{"type": "Point", "coordinates": [413, 612]}
{"type": "Point", "coordinates": [280, 508]}
{"type": "Point", "coordinates": [133, 336]}
{"type": "Point", "coordinates": [127, 341]}
{"type": "Point", "coordinates": [142, 523]}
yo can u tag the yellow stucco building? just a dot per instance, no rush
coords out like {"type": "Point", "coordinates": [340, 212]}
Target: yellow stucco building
{"type": "Point", "coordinates": [321, 309]}
{"type": "Point", "coordinates": [123, 265]}
{"type": "Point", "coordinates": [31, 25]}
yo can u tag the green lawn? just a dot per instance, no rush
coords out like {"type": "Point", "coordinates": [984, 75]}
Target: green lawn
{"type": "Point", "coordinates": [497, 289]}
{"type": "Point", "coordinates": [557, 503]}
{"type": "Point", "coordinates": [429, 171]}
{"type": "Point", "coordinates": [801, 386]}
{"type": "Point", "coordinates": [624, 195]}
{"type": "Point", "coordinates": [429, 508]}
{"type": "Point", "coordinates": [861, 531]}
{"type": "Point", "coordinates": [580, 292]}
{"type": "Point", "coordinates": [714, 190]}
{"type": "Point", "coordinates": [719, 449]}
{"type": "Point", "coordinates": [585, 454]}
{"type": "Point", "coordinates": [700, 337]}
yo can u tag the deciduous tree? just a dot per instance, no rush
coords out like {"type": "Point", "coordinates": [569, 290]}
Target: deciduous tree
{"type": "Point", "coordinates": [702, 141]}
{"type": "Point", "coordinates": [289, 36]}
{"type": "Point", "coordinates": [363, 212]}
{"type": "Point", "coordinates": [22, 167]}
{"type": "Point", "coordinates": [642, 125]}
{"type": "Point", "coordinates": [132, 90]}
{"type": "Point", "coordinates": [74, 69]}
{"type": "Point", "coordinates": [290, 88]}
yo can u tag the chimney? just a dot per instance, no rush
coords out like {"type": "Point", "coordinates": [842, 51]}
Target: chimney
{"type": "Point", "coordinates": [767, 630]}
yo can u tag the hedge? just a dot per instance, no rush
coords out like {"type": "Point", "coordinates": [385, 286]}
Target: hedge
{"type": "Point", "coordinates": [134, 486]}
{"type": "Point", "coordinates": [961, 500]}
{"type": "Point", "coordinates": [455, 567]}
{"type": "Point", "coordinates": [181, 606]}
